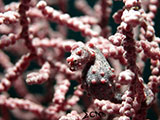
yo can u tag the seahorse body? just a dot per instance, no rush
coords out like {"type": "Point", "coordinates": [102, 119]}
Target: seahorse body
{"type": "Point", "coordinates": [97, 77]}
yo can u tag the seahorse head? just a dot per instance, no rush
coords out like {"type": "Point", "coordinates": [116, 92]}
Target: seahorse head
{"type": "Point", "coordinates": [79, 56]}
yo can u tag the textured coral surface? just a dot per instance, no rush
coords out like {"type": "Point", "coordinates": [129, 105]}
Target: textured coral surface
{"type": "Point", "coordinates": [79, 60]}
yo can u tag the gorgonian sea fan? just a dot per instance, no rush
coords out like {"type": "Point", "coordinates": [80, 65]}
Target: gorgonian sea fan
{"type": "Point", "coordinates": [103, 78]}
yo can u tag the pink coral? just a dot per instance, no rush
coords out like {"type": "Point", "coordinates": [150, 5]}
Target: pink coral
{"type": "Point", "coordinates": [104, 75]}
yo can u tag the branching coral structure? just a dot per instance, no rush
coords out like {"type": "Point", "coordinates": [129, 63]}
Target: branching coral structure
{"type": "Point", "coordinates": [48, 73]}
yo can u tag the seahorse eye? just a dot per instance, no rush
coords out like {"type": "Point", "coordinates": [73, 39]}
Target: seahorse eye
{"type": "Point", "coordinates": [75, 62]}
{"type": "Point", "coordinates": [136, 8]}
